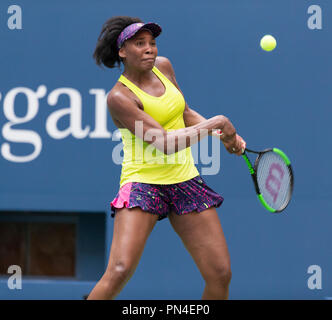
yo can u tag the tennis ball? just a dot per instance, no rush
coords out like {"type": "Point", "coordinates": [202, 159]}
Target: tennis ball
{"type": "Point", "coordinates": [268, 43]}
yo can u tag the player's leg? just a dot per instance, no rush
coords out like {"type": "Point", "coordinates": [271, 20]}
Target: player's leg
{"type": "Point", "coordinates": [132, 227]}
{"type": "Point", "coordinates": [203, 237]}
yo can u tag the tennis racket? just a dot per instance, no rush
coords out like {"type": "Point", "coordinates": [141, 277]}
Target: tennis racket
{"type": "Point", "coordinates": [273, 178]}
{"type": "Point", "coordinates": [272, 175]}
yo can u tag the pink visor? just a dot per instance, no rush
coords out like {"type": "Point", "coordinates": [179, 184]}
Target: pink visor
{"type": "Point", "coordinates": [132, 29]}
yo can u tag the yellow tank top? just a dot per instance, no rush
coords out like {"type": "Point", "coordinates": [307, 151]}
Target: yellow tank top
{"type": "Point", "coordinates": [142, 162]}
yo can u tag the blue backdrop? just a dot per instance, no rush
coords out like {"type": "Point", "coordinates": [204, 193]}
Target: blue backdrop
{"type": "Point", "coordinates": [52, 161]}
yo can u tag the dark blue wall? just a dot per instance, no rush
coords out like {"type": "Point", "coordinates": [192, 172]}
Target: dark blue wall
{"type": "Point", "coordinates": [280, 98]}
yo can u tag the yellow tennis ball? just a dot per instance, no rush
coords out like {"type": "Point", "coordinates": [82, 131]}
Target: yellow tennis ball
{"type": "Point", "coordinates": [268, 43]}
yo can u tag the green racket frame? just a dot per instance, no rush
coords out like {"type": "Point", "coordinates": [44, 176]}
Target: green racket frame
{"type": "Point", "coordinates": [253, 170]}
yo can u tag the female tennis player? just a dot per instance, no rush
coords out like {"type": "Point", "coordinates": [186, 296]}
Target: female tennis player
{"type": "Point", "coordinates": [159, 178]}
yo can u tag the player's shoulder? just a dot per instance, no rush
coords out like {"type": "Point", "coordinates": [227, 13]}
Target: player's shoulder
{"type": "Point", "coordinates": [164, 65]}
{"type": "Point", "coordinates": [160, 60]}
{"type": "Point", "coordinates": [117, 96]}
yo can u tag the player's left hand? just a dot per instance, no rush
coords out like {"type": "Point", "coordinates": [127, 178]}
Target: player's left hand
{"type": "Point", "coordinates": [236, 146]}
{"type": "Point", "coordinates": [241, 145]}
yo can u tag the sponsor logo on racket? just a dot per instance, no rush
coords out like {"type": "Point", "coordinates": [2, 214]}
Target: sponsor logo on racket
{"type": "Point", "coordinates": [274, 179]}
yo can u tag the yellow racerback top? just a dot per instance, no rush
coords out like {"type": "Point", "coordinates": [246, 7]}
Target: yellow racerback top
{"type": "Point", "coordinates": [142, 162]}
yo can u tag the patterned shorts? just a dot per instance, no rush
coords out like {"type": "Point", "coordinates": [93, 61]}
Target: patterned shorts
{"type": "Point", "coordinates": [161, 199]}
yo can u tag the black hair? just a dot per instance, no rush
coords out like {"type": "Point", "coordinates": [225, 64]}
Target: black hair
{"type": "Point", "coordinates": [107, 52]}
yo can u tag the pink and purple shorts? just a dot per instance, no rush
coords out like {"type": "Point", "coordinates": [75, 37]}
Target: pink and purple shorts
{"type": "Point", "coordinates": [161, 199]}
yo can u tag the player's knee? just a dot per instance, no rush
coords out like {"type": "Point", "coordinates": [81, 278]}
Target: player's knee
{"type": "Point", "coordinates": [119, 273]}
{"type": "Point", "coordinates": [221, 275]}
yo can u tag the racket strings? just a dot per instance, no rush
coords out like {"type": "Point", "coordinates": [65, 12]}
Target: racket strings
{"type": "Point", "coordinates": [274, 180]}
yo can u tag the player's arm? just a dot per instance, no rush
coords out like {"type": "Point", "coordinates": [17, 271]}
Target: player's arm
{"type": "Point", "coordinates": [126, 112]}
{"type": "Point", "coordinates": [192, 117]}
